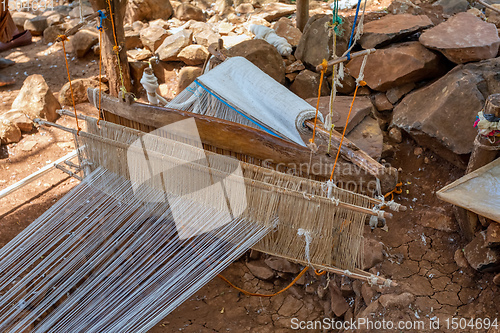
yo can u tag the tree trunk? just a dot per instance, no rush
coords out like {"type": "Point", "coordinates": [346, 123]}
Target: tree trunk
{"type": "Point", "coordinates": [109, 58]}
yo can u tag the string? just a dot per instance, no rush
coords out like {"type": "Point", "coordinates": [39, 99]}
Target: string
{"type": "Point", "coordinates": [324, 65]}
{"type": "Point", "coordinates": [102, 16]}
{"type": "Point", "coordinates": [353, 29]}
{"type": "Point", "coordinates": [116, 48]}
{"type": "Point", "coordinates": [64, 39]}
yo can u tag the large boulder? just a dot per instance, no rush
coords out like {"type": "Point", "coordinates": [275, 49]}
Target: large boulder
{"type": "Point", "coordinates": [306, 85]}
{"type": "Point", "coordinates": [139, 10]}
{"type": "Point", "coordinates": [186, 76]}
{"type": "Point", "coordinates": [263, 55]}
{"type": "Point", "coordinates": [481, 257]}
{"type": "Point", "coordinates": [83, 41]}
{"type": "Point", "coordinates": [273, 11]}
{"type": "Point", "coordinates": [194, 55]}
{"type": "Point", "coordinates": [9, 132]}
{"type": "Point", "coordinates": [392, 28]}
{"type": "Point", "coordinates": [316, 41]}
{"type": "Point", "coordinates": [451, 7]}
{"type": "Point", "coordinates": [186, 12]}
{"type": "Point", "coordinates": [341, 105]}
{"type": "Point", "coordinates": [440, 116]}
{"type": "Point", "coordinates": [36, 25]}
{"type": "Point", "coordinates": [36, 99]}
{"type": "Point", "coordinates": [19, 119]}
{"type": "Point", "coordinates": [152, 37]}
{"type": "Point", "coordinates": [286, 29]}
{"type": "Point", "coordinates": [397, 65]}
{"type": "Point", "coordinates": [463, 38]}
{"type": "Point", "coordinates": [80, 87]}
{"type": "Point", "coordinates": [173, 45]}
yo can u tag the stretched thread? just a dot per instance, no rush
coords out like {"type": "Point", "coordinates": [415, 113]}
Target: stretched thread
{"type": "Point", "coordinates": [353, 29]}
{"type": "Point", "coordinates": [63, 39]}
{"type": "Point", "coordinates": [324, 64]}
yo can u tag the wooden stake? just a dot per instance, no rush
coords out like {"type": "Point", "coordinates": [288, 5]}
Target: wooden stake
{"type": "Point", "coordinates": [345, 58]}
{"type": "Point", "coordinates": [302, 13]}
{"type": "Point", "coordinates": [108, 54]}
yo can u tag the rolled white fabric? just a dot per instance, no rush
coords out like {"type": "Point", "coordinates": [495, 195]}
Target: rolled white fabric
{"type": "Point", "coordinates": [270, 36]}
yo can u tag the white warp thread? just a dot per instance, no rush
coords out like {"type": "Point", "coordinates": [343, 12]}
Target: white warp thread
{"type": "Point", "coordinates": [308, 239]}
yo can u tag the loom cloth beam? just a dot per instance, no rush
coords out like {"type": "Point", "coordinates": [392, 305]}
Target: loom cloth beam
{"type": "Point", "coordinates": [245, 140]}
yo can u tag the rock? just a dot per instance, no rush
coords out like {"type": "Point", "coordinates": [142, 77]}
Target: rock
{"type": "Point", "coordinates": [147, 10]}
{"type": "Point", "coordinates": [223, 7]}
{"type": "Point", "coordinates": [493, 235]}
{"type": "Point", "coordinates": [339, 305]}
{"type": "Point", "coordinates": [86, 10]}
{"type": "Point", "coordinates": [481, 257]}
{"type": "Point", "coordinates": [396, 301]}
{"type": "Point", "coordinates": [139, 54]}
{"type": "Point", "coordinates": [186, 12]}
{"type": "Point", "coordinates": [186, 76]}
{"type": "Point", "coordinates": [392, 28]}
{"type": "Point", "coordinates": [194, 55]}
{"type": "Point", "coordinates": [203, 34]}
{"type": "Point", "coordinates": [158, 23]}
{"type": "Point", "coordinates": [225, 28]}
{"type": "Point", "coordinates": [19, 119]}
{"type": "Point", "coordinates": [9, 132]}
{"type": "Point", "coordinates": [273, 11]}
{"type": "Point", "coordinates": [51, 33]}
{"type": "Point", "coordinates": [443, 123]}
{"type": "Point", "coordinates": [260, 270]}
{"type": "Point", "coordinates": [368, 137]}
{"type": "Point", "coordinates": [296, 66]}
{"type": "Point", "coordinates": [20, 18]}
{"type": "Point", "coordinates": [36, 100]}
{"type": "Point", "coordinates": [460, 259]}
{"type": "Point", "coordinates": [463, 38]}
{"type": "Point", "coordinates": [397, 65]}
{"type": "Point", "coordinates": [54, 19]}
{"type": "Point", "coordinates": [396, 93]}
{"type": "Point", "coordinates": [36, 25]}
{"type": "Point", "coordinates": [492, 16]}
{"type": "Point", "coordinates": [79, 91]}
{"type": "Point", "coordinates": [373, 253]}
{"type": "Point", "coordinates": [451, 7]}
{"type": "Point", "coordinates": [396, 135]}
{"type": "Point", "coordinates": [285, 28]}
{"type": "Point", "coordinates": [28, 145]}
{"type": "Point", "coordinates": [152, 37]}
{"type": "Point", "coordinates": [244, 8]}
{"type": "Point", "coordinates": [315, 43]}
{"type": "Point", "coordinates": [263, 55]}
{"type": "Point", "coordinates": [230, 41]}
{"type": "Point", "coordinates": [290, 306]}
{"type": "Point", "coordinates": [341, 106]}
{"type": "Point", "coordinates": [83, 41]}
{"type": "Point", "coordinates": [437, 217]}
{"type": "Point", "coordinates": [404, 6]}
{"type": "Point", "coordinates": [133, 40]}
{"type": "Point", "coordinates": [136, 71]}
{"type": "Point", "coordinates": [282, 265]}
{"type": "Point", "coordinates": [173, 45]}
{"type": "Point", "coordinates": [138, 26]}
{"type": "Point", "coordinates": [381, 102]}
{"type": "Point", "coordinates": [306, 85]}
{"type": "Point", "coordinates": [496, 279]}
{"type": "Point", "coordinates": [368, 293]}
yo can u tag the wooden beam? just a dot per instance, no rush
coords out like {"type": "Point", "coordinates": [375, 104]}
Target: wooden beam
{"type": "Point", "coordinates": [302, 13]}
{"type": "Point", "coordinates": [345, 58]}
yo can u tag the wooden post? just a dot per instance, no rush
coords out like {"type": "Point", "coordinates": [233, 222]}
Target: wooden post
{"type": "Point", "coordinates": [302, 13]}
{"type": "Point", "coordinates": [484, 152]}
{"type": "Point", "coordinates": [109, 59]}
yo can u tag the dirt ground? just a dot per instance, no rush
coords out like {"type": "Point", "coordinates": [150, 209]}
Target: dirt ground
{"type": "Point", "coordinates": [418, 255]}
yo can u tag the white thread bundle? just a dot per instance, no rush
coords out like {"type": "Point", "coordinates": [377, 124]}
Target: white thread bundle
{"type": "Point", "coordinates": [269, 35]}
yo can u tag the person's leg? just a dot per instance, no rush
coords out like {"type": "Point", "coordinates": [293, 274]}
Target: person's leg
{"type": "Point", "coordinates": [8, 28]}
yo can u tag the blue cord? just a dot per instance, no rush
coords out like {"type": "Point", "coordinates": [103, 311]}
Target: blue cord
{"type": "Point", "coordinates": [102, 16]}
{"type": "Point", "coordinates": [353, 28]}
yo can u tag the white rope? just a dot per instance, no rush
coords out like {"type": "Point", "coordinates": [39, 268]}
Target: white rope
{"type": "Point", "coordinates": [269, 35]}
{"type": "Point", "coordinates": [150, 84]}
{"type": "Point", "coordinates": [308, 240]}
{"type": "Point", "coordinates": [361, 75]}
